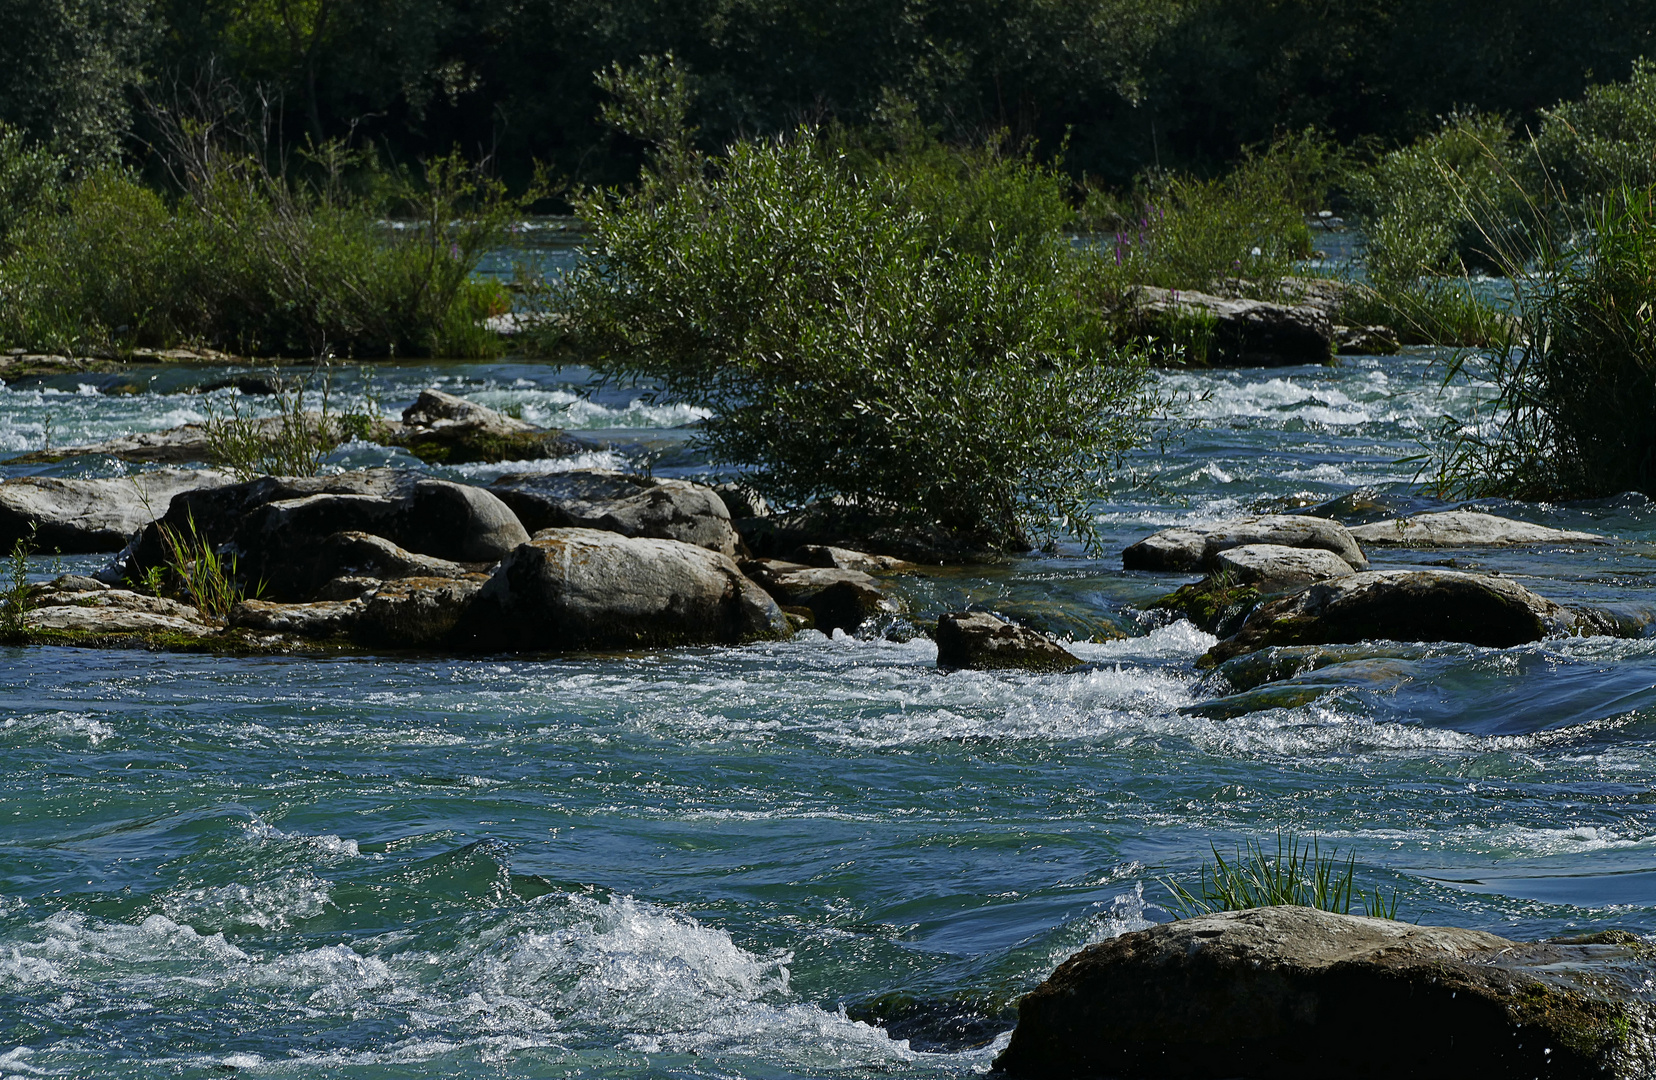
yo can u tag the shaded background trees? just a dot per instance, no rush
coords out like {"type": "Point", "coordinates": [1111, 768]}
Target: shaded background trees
{"type": "Point", "coordinates": [1134, 84]}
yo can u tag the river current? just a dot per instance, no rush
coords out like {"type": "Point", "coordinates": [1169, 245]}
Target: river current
{"type": "Point", "coordinates": [819, 857]}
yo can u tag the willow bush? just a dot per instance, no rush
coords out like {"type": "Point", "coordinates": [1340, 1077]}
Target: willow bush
{"type": "Point", "coordinates": [898, 332]}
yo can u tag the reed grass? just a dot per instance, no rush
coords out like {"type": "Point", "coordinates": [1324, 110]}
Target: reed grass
{"type": "Point", "coordinates": [198, 572]}
{"type": "Point", "coordinates": [16, 600]}
{"type": "Point", "coordinates": [292, 442]}
{"type": "Point", "coordinates": [1294, 874]}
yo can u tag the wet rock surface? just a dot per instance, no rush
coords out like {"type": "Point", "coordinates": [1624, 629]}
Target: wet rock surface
{"type": "Point", "coordinates": [1401, 605]}
{"type": "Point", "coordinates": [838, 599]}
{"type": "Point", "coordinates": [977, 640]}
{"type": "Point", "coordinates": [440, 428]}
{"type": "Point", "coordinates": [1196, 547]}
{"type": "Point", "coordinates": [582, 589]}
{"type": "Point", "coordinates": [621, 503]}
{"type": "Point", "coordinates": [1465, 528]}
{"type": "Point", "coordinates": [75, 516]}
{"type": "Point", "coordinates": [1272, 568]}
{"type": "Point", "coordinates": [1278, 991]}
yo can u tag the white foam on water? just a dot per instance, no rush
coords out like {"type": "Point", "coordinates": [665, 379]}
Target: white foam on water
{"type": "Point", "coordinates": [269, 906]}
{"type": "Point", "coordinates": [75, 948]}
{"type": "Point", "coordinates": [261, 831]}
{"type": "Point", "coordinates": [32, 727]}
{"type": "Point", "coordinates": [605, 460]}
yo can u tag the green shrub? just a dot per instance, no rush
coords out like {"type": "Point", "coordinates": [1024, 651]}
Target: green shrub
{"type": "Point", "coordinates": [1576, 383]}
{"type": "Point", "coordinates": [17, 597]}
{"type": "Point", "coordinates": [1602, 141]}
{"type": "Point", "coordinates": [258, 264]}
{"type": "Point", "coordinates": [1247, 226]}
{"type": "Point", "coordinates": [902, 333]}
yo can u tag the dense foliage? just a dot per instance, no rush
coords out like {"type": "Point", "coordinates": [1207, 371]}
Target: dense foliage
{"type": "Point", "coordinates": [1138, 84]}
{"type": "Point", "coordinates": [901, 334]}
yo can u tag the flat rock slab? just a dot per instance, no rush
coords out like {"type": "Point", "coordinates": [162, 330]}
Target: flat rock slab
{"type": "Point", "coordinates": [979, 641]}
{"type": "Point", "coordinates": [620, 503]}
{"type": "Point", "coordinates": [1401, 605]}
{"type": "Point", "coordinates": [114, 611]}
{"type": "Point", "coordinates": [1191, 548]}
{"type": "Point", "coordinates": [1293, 991]}
{"type": "Point", "coordinates": [1465, 528]}
{"type": "Point", "coordinates": [81, 516]}
{"type": "Point", "coordinates": [1275, 568]}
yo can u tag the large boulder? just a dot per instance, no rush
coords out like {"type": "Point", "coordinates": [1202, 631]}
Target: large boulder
{"type": "Point", "coordinates": [1464, 528]}
{"type": "Point", "coordinates": [1273, 568]}
{"type": "Point", "coordinates": [1291, 990]}
{"type": "Point", "coordinates": [1190, 548]}
{"type": "Point", "coordinates": [976, 640]}
{"type": "Point", "coordinates": [1401, 605]}
{"type": "Point", "coordinates": [1245, 333]}
{"type": "Point", "coordinates": [279, 529]}
{"type": "Point", "coordinates": [620, 503]}
{"type": "Point", "coordinates": [77, 516]}
{"type": "Point", "coordinates": [441, 428]}
{"type": "Point", "coordinates": [838, 599]}
{"type": "Point", "coordinates": [579, 589]}
{"type": "Point", "coordinates": [415, 612]}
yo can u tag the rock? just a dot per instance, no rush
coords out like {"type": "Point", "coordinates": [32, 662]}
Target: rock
{"type": "Point", "coordinates": [319, 619]}
{"type": "Point", "coordinates": [112, 621]}
{"type": "Point", "coordinates": [620, 503]}
{"type": "Point", "coordinates": [444, 429]}
{"type": "Point", "coordinates": [362, 556]}
{"type": "Point", "coordinates": [74, 583]}
{"type": "Point", "coordinates": [1246, 333]}
{"type": "Point", "coordinates": [1365, 341]}
{"type": "Point", "coordinates": [1196, 547]}
{"type": "Point", "coordinates": [973, 639]}
{"type": "Point", "coordinates": [1401, 605]}
{"type": "Point", "coordinates": [102, 610]}
{"type": "Point", "coordinates": [77, 516]}
{"type": "Point", "coordinates": [1288, 990]}
{"type": "Point", "coordinates": [349, 586]}
{"type": "Point", "coordinates": [839, 558]}
{"type": "Point", "coordinates": [1465, 528]}
{"type": "Point", "coordinates": [1273, 568]}
{"type": "Point", "coordinates": [837, 599]}
{"type": "Point", "coordinates": [415, 612]}
{"type": "Point", "coordinates": [1217, 605]}
{"type": "Point", "coordinates": [280, 529]}
{"type": "Point", "coordinates": [572, 589]}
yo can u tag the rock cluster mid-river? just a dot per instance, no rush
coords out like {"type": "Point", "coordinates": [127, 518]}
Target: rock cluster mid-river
{"type": "Point", "coordinates": [806, 858]}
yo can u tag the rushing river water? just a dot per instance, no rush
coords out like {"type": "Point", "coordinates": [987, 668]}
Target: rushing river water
{"type": "Point", "coordinates": [813, 858]}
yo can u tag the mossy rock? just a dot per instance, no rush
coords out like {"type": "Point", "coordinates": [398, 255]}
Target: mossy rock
{"type": "Point", "coordinates": [1214, 604]}
{"type": "Point", "coordinates": [462, 447]}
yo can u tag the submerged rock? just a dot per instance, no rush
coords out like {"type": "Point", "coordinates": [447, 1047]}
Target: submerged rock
{"type": "Point", "coordinates": [976, 640]}
{"type": "Point", "coordinates": [1401, 605]}
{"type": "Point", "coordinates": [577, 589]}
{"type": "Point", "coordinates": [79, 516]}
{"type": "Point", "coordinates": [1245, 333]}
{"type": "Point", "coordinates": [1273, 568]}
{"type": "Point", "coordinates": [620, 503]}
{"type": "Point", "coordinates": [1465, 528]}
{"type": "Point", "coordinates": [838, 599]}
{"type": "Point", "coordinates": [1196, 547]}
{"type": "Point", "coordinates": [1285, 990]}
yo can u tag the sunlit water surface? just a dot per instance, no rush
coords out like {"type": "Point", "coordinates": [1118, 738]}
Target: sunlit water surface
{"type": "Point", "coordinates": [813, 858]}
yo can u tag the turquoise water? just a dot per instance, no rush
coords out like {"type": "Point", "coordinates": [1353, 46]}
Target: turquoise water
{"type": "Point", "coordinates": [813, 858]}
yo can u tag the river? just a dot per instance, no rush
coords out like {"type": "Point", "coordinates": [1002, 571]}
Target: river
{"type": "Point", "coordinates": [812, 858]}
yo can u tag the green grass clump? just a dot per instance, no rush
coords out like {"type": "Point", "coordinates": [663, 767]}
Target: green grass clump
{"type": "Point", "coordinates": [1295, 874]}
{"type": "Point", "coordinates": [901, 331]}
{"type": "Point", "coordinates": [196, 572]}
{"type": "Point", "coordinates": [16, 599]}
{"type": "Point", "coordinates": [290, 442]}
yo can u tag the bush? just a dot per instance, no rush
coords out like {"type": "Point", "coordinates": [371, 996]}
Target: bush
{"type": "Point", "coordinates": [1248, 226]}
{"type": "Point", "coordinates": [1576, 385]}
{"type": "Point", "coordinates": [901, 333]}
{"type": "Point", "coordinates": [258, 264]}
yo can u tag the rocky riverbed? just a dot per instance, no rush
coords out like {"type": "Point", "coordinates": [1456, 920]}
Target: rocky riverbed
{"type": "Point", "coordinates": [573, 761]}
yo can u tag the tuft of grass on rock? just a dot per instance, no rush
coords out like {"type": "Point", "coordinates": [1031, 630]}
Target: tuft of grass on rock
{"type": "Point", "coordinates": [1295, 874]}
